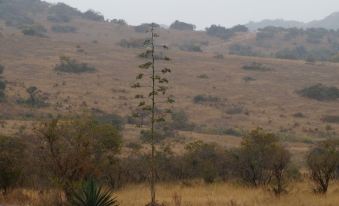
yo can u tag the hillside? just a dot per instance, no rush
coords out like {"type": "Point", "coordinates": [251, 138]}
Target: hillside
{"type": "Point", "coordinates": [329, 22]}
{"type": "Point", "coordinates": [234, 99]}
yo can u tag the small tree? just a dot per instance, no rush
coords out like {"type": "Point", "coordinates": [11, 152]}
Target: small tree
{"type": "Point", "coordinates": [281, 160]}
{"type": "Point", "coordinates": [153, 78]}
{"type": "Point", "coordinates": [322, 162]}
{"type": "Point", "coordinates": [2, 84]}
{"type": "Point", "coordinates": [74, 150]}
{"type": "Point", "coordinates": [262, 159]}
{"type": "Point", "coordinates": [11, 154]}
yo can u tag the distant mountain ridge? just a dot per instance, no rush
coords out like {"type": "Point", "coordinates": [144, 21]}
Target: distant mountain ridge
{"type": "Point", "coordinates": [329, 22]}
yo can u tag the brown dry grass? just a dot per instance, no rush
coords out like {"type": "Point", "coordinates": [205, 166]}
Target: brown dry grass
{"type": "Point", "coordinates": [172, 194]}
{"type": "Point", "coordinates": [227, 195]}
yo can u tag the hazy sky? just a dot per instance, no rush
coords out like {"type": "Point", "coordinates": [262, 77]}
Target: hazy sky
{"type": "Point", "coordinates": [206, 12]}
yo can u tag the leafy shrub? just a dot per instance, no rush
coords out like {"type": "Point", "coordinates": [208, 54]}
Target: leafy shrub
{"type": "Point", "coordinates": [315, 35]}
{"type": "Point", "coordinates": [11, 165]}
{"type": "Point", "coordinates": [298, 52]}
{"type": "Point", "coordinates": [121, 22]}
{"type": "Point", "coordinates": [222, 32]}
{"type": "Point", "coordinates": [201, 99]}
{"type": "Point", "coordinates": [322, 162]}
{"type": "Point", "coordinates": [219, 31]}
{"type": "Point", "coordinates": [59, 19]}
{"type": "Point", "coordinates": [35, 99]}
{"type": "Point", "coordinates": [262, 159]}
{"type": "Point", "coordinates": [63, 11]}
{"type": "Point", "coordinates": [299, 115]}
{"type": "Point", "coordinates": [235, 110]}
{"type": "Point", "coordinates": [2, 84]}
{"type": "Point", "coordinates": [191, 47]}
{"type": "Point", "coordinates": [203, 76]}
{"type": "Point", "coordinates": [293, 33]}
{"type": "Point", "coordinates": [113, 119]}
{"type": "Point", "coordinates": [242, 50]}
{"type": "Point", "coordinates": [142, 28]}
{"type": "Point", "coordinates": [331, 119]}
{"type": "Point", "coordinates": [78, 147]}
{"type": "Point", "coordinates": [132, 43]}
{"type": "Point", "coordinates": [320, 92]}
{"type": "Point", "coordinates": [178, 25]}
{"type": "Point", "coordinates": [218, 56]}
{"type": "Point", "coordinates": [254, 66]}
{"type": "Point", "coordinates": [17, 13]}
{"type": "Point", "coordinates": [180, 121]}
{"type": "Point", "coordinates": [93, 15]}
{"type": "Point", "coordinates": [63, 29]}
{"type": "Point", "coordinates": [248, 79]}
{"type": "Point", "coordinates": [34, 30]}
{"type": "Point", "coordinates": [69, 65]}
{"type": "Point", "coordinates": [265, 35]}
{"type": "Point", "coordinates": [239, 28]}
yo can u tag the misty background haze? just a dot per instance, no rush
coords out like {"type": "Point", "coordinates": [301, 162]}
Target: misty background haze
{"type": "Point", "coordinates": [203, 13]}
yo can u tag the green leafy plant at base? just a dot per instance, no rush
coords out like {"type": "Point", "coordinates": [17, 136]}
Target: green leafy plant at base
{"type": "Point", "coordinates": [92, 194]}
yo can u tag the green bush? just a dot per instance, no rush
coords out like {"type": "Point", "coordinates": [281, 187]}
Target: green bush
{"type": "Point", "coordinates": [93, 15]}
{"type": "Point", "coordinates": [180, 121]}
{"type": "Point", "coordinates": [178, 25]}
{"type": "Point", "coordinates": [35, 30]}
{"type": "Point", "coordinates": [298, 52]}
{"type": "Point", "coordinates": [120, 22]}
{"type": "Point", "coordinates": [69, 65]}
{"type": "Point", "coordinates": [320, 92]}
{"type": "Point", "coordinates": [242, 50]}
{"type": "Point", "coordinates": [35, 99]}
{"type": "Point", "coordinates": [132, 43]}
{"type": "Point", "coordinates": [2, 84]}
{"type": "Point", "coordinates": [11, 165]}
{"type": "Point", "coordinates": [254, 66]}
{"type": "Point", "coordinates": [63, 29]}
{"type": "Point", "coordinates": [331, 118]}
{"type": "Point", "coordinates": [59, 18]}
{"type": "Point", "coordinates": [201, 99]}
{"type": "Point", "coordinates": [191, 47]}
{"type": "Point", "coordinates": [142, 28]}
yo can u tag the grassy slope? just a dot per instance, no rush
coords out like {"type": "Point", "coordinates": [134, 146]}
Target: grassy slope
{"type": "Point", "coordinates": [271, 100]}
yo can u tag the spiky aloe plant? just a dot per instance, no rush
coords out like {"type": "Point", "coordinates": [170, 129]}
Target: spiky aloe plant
{"type": "Point", "coordinates": [92, 194]}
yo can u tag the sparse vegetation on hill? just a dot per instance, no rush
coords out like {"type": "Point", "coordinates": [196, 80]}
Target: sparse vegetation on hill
{"type": "Point", "coordinates": [222, 32]}
{"type": "Point", "coordinates": [2, 84]}
{"type": "Point", "coordinates": [178, 25]}
{"type": "Point", "coordinates": [254, 66]}
{"type": "Point", "coordinates": [93, 15]}
{"type": "Point", "coordinates": [191, 47]}
{"type": "Point", "coordinates": [11, 159]}
{"type": "Point", "coordinates": [132, 43]}
{"type": "Point", "coordinates": [121, 22]}
{"type": "Point", "coordinates": [34, 30]}
{"type": "Point", "coordinates": [242, 50]}
{"type": "Point", "coordinates": [331, 119]}
{"type": "Point", "coordinates": [201, 99]}
{"type": "Point", "coordinates": [63, 29]}
{"type": "Point", "coordinates": [36, 98]}
{"type": "Point", "coordinates": [143, 28]}
{"type": "Point", "coordinates": [323, 161]}
{"type": "Point", "coordinates": [320, 92]}
{"type": "Point", "coordinates": [69, 65]}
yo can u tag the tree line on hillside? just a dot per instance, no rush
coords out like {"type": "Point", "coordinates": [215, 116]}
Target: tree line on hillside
{"type": "Point", "coordinates": [62, 153]}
